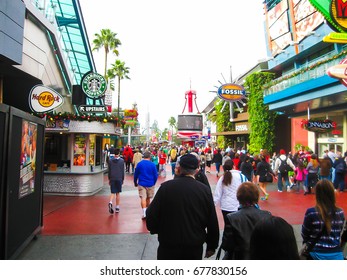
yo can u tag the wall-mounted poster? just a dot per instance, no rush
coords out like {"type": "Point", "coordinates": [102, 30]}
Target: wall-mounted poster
{"type": "Point", "coordinates": [28, 158]}
{"type": "Point", "coordinates": [79, 153]}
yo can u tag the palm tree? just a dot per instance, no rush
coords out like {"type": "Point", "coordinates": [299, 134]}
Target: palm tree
{"type": "Point", "coordinates": [118, 69]}
{"type": "Point", "coordinates": [172, 122]}
{"type": "Point", "coordinates": [107, 40]}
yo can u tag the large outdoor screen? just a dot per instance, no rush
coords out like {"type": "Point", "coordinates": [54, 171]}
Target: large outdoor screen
{"type": "Point", "coordinates": [189, 122]}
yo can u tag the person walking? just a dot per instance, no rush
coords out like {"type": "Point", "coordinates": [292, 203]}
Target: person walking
{"type": "Point", "coordinates": [340, 171]}
{"type": "Point", "coordinates": [183, 215]}
{"type": "Point", "coordinates": [162, 162]}
{"type": "Point", "coordinates": [283, 165]}
{"type": "Point", "coordinates": [325, 168]}
{"type": "Point", "coordinates": [246, 168]}
{"type": "Point", "coordinates": [300, 176]}
{"type": "Point", "coordinates": [202, 162]}
{"type": "Point", "coordinates": [116, 178]}
{"type": "Point", "coordinates": [239, 225]}
{"type": "Point", "coordinates": [209, 158]}
{"type": "Point", "coordinates": [312, 173]}
{"type": "Point", "coordinates": [225, 192]}
{"type": "Point", "coordinates": [324, 231]}
{"type": "Point", "coordinates": [128, 157]}
{"type": "Point", "coordinates": [217, 160]}
{"type": "Point", "coordinates": [265, 175]}
{"type": "Point", "coordinates": [145, 178]}
{"type": "Point", "coordinates": [173, 155]}
{"type": "Point", "coordinates": [136, 158]}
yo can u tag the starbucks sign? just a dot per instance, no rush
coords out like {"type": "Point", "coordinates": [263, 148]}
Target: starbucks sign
{"type": "Point", "coordinates": [94, 85]}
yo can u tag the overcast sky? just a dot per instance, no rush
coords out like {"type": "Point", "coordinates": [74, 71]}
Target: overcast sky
{"type": "Point", "coordinates": [170, 45]}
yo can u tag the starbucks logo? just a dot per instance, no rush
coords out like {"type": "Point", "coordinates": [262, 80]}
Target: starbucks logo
{"type": "Point", "coordinates": [94, 85]}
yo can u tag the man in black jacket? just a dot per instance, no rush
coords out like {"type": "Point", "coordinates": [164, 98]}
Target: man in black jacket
{"type": "Point", "coordinates": [239, 225]}
{"type": "Point", "coordinates": [183, 215]}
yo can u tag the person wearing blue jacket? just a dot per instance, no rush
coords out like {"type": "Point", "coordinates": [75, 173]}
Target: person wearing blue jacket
{"type": "Point", "coordinates": [145, 178]}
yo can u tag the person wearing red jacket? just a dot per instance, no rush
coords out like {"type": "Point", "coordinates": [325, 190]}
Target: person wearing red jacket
{"type": "Point", "coordinates": [128, 155]}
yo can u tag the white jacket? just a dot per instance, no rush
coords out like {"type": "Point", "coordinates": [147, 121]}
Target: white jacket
{"type": "Point", "coordinates": [225, 196]}
{"type": "Point", "coordinates": [278, 162]}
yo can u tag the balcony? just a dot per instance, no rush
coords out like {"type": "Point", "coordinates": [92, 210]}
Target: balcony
{"type": "Point", "coordinates": [312, 70]}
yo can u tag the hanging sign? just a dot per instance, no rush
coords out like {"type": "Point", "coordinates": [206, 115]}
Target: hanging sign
{"type": "Point", "coordinates": [339, 71]}
{"type": "Point", "coordinates": [334, 13]}
{"type": "Point", "coordinates": [44, 99]}
{"type": "Point", "coordinates": [324, 125]}
{"type": "Point", "coordinates": [231, 92]}
{"type": "Point", "coordinates": [93, 85]}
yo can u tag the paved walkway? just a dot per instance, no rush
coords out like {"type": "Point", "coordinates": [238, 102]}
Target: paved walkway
{"type": "Point", "coordinates": [81, 228]}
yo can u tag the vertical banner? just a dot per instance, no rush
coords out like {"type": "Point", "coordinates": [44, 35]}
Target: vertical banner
{"type": "Point", "coordinates": [28, 158]}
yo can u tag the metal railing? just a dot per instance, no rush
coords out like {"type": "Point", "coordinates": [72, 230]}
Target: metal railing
{"type": "Point", "coordinates": [300, 75]}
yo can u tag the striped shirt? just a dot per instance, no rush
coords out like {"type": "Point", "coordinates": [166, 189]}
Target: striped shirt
{"type": "Point", "coordinates": [313, 225]}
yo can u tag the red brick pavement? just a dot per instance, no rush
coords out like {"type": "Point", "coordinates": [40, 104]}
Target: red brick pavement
{"type": "Point", "coordinates": [89, 215]}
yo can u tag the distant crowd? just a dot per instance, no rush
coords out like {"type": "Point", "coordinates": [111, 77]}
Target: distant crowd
{"type": "Point", "coordinates": [183, 212]}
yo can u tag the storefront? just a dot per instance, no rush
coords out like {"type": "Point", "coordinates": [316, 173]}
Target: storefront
{"type": "Point", "coordinates": [324, 131]}
{"type": "Point", "coordinates": [239, 134]}
{"type": "Point", "coordinates": [75, 160]}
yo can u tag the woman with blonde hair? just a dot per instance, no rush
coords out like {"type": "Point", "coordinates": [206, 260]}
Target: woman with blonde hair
{"type": "Point", "coordinates": [324, 228]}
{"type": "Point", "coordinates": [312, 173]}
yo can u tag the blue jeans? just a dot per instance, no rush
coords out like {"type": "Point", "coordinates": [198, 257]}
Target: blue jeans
{"type": "Point", "coordinates": [218, 167]}
{"type": "Point", "coordinates": [173, 165]}
{"type": "Point", "coordinates": [339, 182]}
{"type": "Point", "coordinates": [280, 183]}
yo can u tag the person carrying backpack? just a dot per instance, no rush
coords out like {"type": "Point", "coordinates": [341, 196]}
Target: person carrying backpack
{"type": "Point", "coordinates": [283, 165]}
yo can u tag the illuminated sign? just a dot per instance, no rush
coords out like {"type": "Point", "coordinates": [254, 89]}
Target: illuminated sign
{"type": "Point", "coordinates": [93, 85]}
{"type": "Point", "coordinates": [334, 37]}
{"type": "Point", "coordinates": [85, 109]}
{"type": "Point", "coordinates": [231, 92]}
{"type": "Point", "coordinates": [334, 12]}
{"type": "Point", "coordinates": [130, 113]}
{"type": "Point", "coordinates": [339, 71]}
{"type": "Point", "coordinates": [318, 125]}
{"type": "Point", "coordinates": [44, 99]}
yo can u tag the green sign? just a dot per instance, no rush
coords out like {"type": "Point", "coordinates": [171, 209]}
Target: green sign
{"type": "Point", "coordinates": [94, 85]}
{"type": "Point", "coordinates": [334, 12]}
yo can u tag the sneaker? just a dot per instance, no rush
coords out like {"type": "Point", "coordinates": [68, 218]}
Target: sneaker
{"type": "Point", "coordinates": [292, 185]}
{"type": "Point", "coordinates": [117, 210]}
{"type": "Point", "coordinates": [263, 198]}
{"type": "Point", "coordinates": [267, 196]}
{"type": "Point", "coordinates": [279, 190]}
{"type": "Point", "coordinates": [288, 189]}
{"type": "Point", "coordinates": [110, 208]}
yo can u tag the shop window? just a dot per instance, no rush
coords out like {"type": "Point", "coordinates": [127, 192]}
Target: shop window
{"type": "Point", "coordinates": [56, 149]}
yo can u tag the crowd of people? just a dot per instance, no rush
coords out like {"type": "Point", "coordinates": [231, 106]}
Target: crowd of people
{"type": "Point", "coordinates": [182, 212]}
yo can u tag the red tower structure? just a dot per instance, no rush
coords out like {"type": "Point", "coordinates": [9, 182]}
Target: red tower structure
{"type": "Point", "coordinates": [190, 124]}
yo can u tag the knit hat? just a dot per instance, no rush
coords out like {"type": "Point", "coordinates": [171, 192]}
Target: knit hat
{"type": "Point", "coordinates": [189, 161]}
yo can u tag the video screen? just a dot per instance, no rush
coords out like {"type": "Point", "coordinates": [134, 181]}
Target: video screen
{"type": "Point", "coordinates": [189, 122]}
